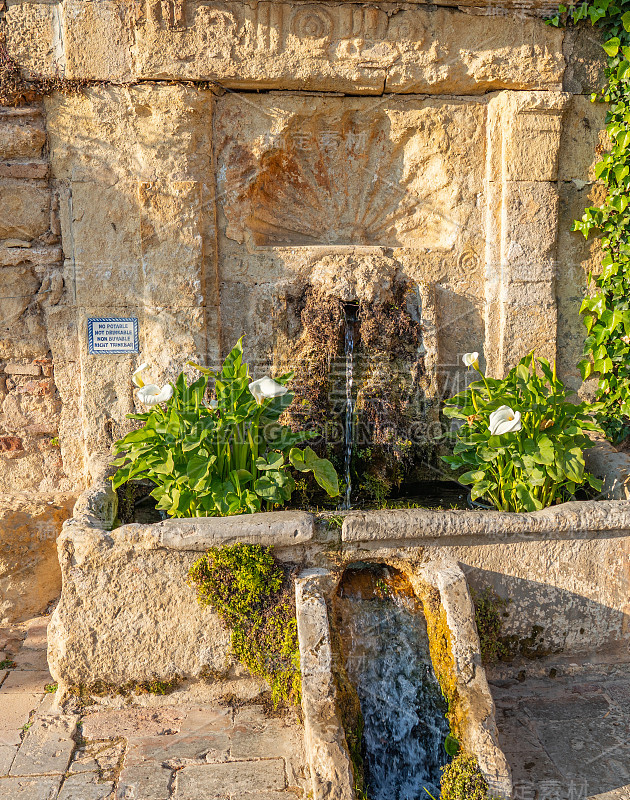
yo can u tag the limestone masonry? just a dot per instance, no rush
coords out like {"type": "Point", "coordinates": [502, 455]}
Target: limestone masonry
{"type": "Point", "coordinates": [224, 152]}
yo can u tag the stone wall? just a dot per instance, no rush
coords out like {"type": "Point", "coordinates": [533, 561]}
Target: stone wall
{"type": "Point", "coordinates": [224, 150]}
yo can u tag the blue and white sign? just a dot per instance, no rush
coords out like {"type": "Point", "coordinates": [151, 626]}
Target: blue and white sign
{"type": "Point", "coordinates": [110, 336]}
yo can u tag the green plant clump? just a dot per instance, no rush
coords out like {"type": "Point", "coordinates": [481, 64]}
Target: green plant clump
{"type": "Point", "coordinates": [229, 457]}
{"type": "Point", "coordinates": [522, 442]}
{"type": "Point", "coordinates": [607, 312]}
{"type": "Point", "coordinates": [253, 596]}
{"type": "Point", "coordinates": [463, 780]}
{"type": "Point", "coordinates": [489, 606]}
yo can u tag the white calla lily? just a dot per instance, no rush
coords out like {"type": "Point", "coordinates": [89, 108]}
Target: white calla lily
{"type": "Point", "coordinates": [266, 388]}
{"type": "Point", "coordinates": [136, 379]}
{"type": "Point", "coordinates": [505, 420]}
{"type": "Point", "coordinates": [471, 360]}
{"type": "Point", "coordinates": [151, 395]}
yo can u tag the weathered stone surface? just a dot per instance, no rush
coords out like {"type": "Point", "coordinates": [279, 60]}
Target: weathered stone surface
{"type": "Point", "coordinates": [24, 210]}
{"type": "Point", "coordinates": [85, 787]}
{"type": "Point", "coordinates": [237, 778]}
{"type": "Point", "coordinates": [7, 754]}
{"type": "Point", "coordinates": [16, 710]}
{"type": "Point", "coordinates": [29, 572]}
{"type": "Point", "coordinates": [36, 788]}
{"type": "Point", "coordinates": [47, 746]}
{"type": "Point", "coordinates": [583, 140]}
{"type": "Point", "coordinates": [25, 681]}
{"type": "Point", "coordinates": [276, 528]}
{"type": "Point", "coordinates": [323, 47]}
{"type": "Point", "coordinates": [149, 781]}
{"type": "Point", "coordinates": [479, 730]}
{"type": "Point", "coordinates": [20, 140]}
{"type": "Point", "coordinates": [331, 770]}
{"type": "Point", "coordinates": [576, 518]}
{"type": "Point", "coordinates": [180, 643]}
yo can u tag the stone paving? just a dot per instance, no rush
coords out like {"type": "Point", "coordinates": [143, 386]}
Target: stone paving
{"type": "Point", "coordinates": [564, 726]}
{"type": "Point", "coordinates": [171, 749]}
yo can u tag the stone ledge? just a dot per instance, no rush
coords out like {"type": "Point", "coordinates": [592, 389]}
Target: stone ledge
{"type": "Point", "coordinates": [578, 519]}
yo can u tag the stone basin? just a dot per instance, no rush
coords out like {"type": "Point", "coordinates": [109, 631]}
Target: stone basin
{"type": "Point", "coordinates": [127, 614]}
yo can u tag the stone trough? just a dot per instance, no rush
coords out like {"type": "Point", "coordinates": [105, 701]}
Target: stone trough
{"type": "Point", "coordinates": [127, 613]}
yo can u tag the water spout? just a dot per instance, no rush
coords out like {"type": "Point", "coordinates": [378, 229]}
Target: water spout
{"type": "Point", "coordinates": [351, 311]}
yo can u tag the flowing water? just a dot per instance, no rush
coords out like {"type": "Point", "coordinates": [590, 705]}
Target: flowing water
{"type": "Point", "coordinates": [387, 659]}
{"type": "Point", "coordinates": [350, 313]}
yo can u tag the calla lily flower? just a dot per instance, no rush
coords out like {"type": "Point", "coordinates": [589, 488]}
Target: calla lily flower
{"type": "Point", "coordinates": [266, 388]}
{"type": "Point", "coordinates": [151, 395]}
{"type": "Point", "coordinates": [505, 420]}
{"type": "Point", "coordinates": [136, 379]}
{"type": "Point", "coordinates": [471, 360]}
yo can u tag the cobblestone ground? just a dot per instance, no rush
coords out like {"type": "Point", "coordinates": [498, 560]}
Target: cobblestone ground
{"type": "Point", "coordinates": [565, 729]}
{"type": "Point", "coordinates": [170, 750]}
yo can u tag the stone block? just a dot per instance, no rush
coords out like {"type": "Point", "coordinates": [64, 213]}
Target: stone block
{"type": "Point", "coordinates": [583, 139]}
{"type": "Point", "coordinates": [33, 34]}
{"type": "Point", "coordinates": [29, 571]}
{"type": "Point", "coordinates": [106, 245]}
{"type": "Point", "coordinates": [24, 210]}
{"type": "Point", "coordinates": [36, 788]}
{"type": "Point", "coordinates": [586, 60]}
{"type": "Point", "coordinates": [7, 754]}
{"type": "Point", "coordinates": [532, 148]}
{"type": "Point", "coordinates": [528, 233]}
{"type": "Point", "coordinates": [206, 782]}
{"type": "Point", "coordinates": [20, 139]}
{"type": "Point", "coordinates": [28, 171]}
{"type": "Point", "coordinates": [99, 39]}
{"type": "Point", "coordinates": [189, 638]}
{"type": "Point", "coordinates": [22, 410]}
{"type": "Point", "coordinates": [22, 368]}
{"type": "Point", "coordinates": [21, 681]}
{"type": "Point", "coordinates": [172, 244]}
{"type": "Point", "coordinates": [47, 746]}
{"type": "Point", "coordinates": [149, 781]}
{"type": "Point", "coordinates": [18, 286]}
{"type": "Point", "coordinates": [85, 787]}
{"type": "Point", "coordinates": [16, 710]}
{"type": "Point", "coordinates": [145, 133]}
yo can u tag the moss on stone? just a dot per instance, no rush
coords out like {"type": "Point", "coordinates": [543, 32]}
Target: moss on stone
{"type": "Point", "coordinates": [253, 595]}
{"type": "Point", "coordinates": [462, 779]}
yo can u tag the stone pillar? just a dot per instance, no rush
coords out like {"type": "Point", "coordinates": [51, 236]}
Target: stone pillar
{"type": "Point", "coordinates": [521, 226]}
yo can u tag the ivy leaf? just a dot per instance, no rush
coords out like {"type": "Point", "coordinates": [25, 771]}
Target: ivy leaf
{"type": "Point", "coordinates": [612, 46]}
{"type": "Point", "coordinates": [625, 21]}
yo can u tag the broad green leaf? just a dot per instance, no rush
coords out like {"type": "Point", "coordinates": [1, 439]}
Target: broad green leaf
{"type": "Point", "coordinates": [612, 46]}
{"type": "Point", "coordinates": [323, 471]}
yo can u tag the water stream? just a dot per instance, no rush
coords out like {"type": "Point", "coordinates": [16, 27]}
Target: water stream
{"type": "Point", "coordinates": [387, 659]}
{"type": "Point", "coordinates": [350, 315]}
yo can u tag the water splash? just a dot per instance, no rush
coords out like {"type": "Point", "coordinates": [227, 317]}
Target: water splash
{"type": "Point", "coordinates": [350, 314]}
{"type": "Point", "coordinates": [403, 708]}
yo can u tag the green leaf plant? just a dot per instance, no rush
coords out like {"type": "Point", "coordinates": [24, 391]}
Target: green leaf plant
{"type": "Point", "coordinates": [231, 456]}
{"type": "Point", "coordinates": [521, 444]}
{"type": "Point", "coordinates": [607, 312]}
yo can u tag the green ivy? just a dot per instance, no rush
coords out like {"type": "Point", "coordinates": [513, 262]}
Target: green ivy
{"type": "Point", "coordinates": [253, 596]}
{"type": "Point", "coordinates": [607, 313]}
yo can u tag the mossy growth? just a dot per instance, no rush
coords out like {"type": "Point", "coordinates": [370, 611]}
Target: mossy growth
{"type": "Point", "coordinates": [442, 656]}
{"type": "Point", "coordinates": [253, 595]}
{"type": "Point", "coordinates": [462, 779]}
{"type": "Point", "coordinates": [489, 608]}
